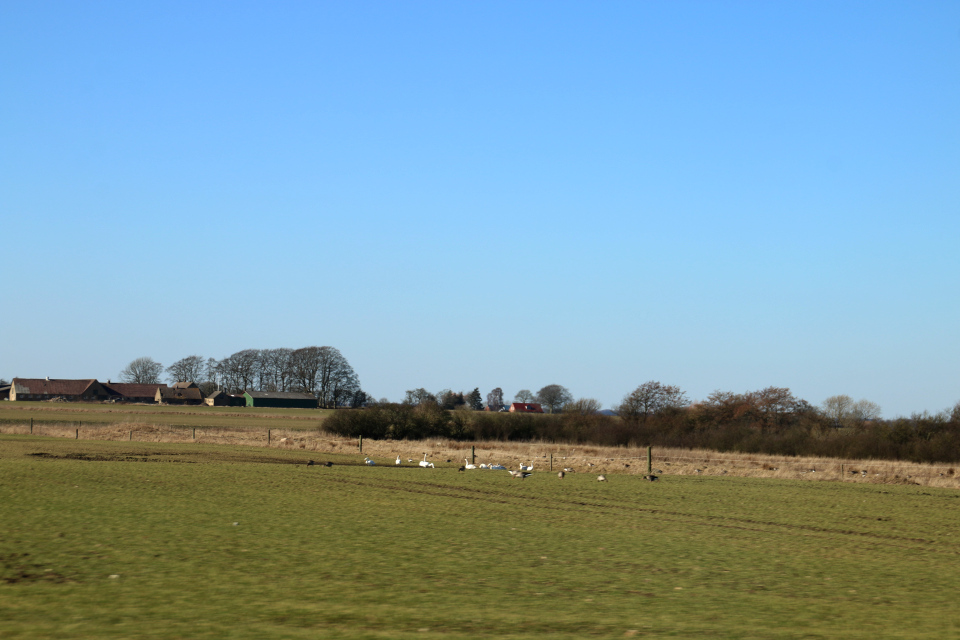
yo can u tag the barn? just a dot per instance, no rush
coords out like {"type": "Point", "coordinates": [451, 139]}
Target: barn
{"type": "Point", "coordinates": [287, 399]}
{"type": "Point", "coordinates": [53, 389]}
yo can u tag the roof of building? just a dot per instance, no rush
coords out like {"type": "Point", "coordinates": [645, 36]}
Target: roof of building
{"type": "Point", "coordinates": [184, 385]}
{"type": "Point", "coordinates": [529, 407]}
{"type": "Point", "coordinates": [48, 387]}
{"type": "Point", "coordinates": [285, 395]}
{"type": "Point", "coordinates": [134, 389]}
{"type": "Point", "coordinates": [173, 393]}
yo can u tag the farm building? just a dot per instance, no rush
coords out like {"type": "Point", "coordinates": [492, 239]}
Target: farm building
{"type": "Point", "coordinates": [133, 392]}
{"type": "Point", "coordinates": [526, 407]}
{"type": "Point", "coordinates": [224, 399]}
{"type": "Point", "coordinates": [47, 389]}
{"type": "Point", "coordinates": [179, 395]}
{"type": "Point", "coordinates": [280, 399]}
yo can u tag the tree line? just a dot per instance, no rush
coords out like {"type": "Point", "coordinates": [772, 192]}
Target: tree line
{"type": "Point", "coordinates": [322, 371]}
{"type": "Point", "coordinates": [771, 421]}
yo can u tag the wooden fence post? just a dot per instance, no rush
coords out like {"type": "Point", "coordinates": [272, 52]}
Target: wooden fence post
{"type": "Point", "coordinates": [31, 426]}
{"type": "Point", "coordinates": [360, 444]}
{"type": "Point", "coordinates": [551, 462]}
{"type": "Point", "coordinates": [473, 454]}
{"type": "Point", "coordinates": [268, 436]}
{"type": "Point", "coordinates": [841, 472]}
{"type": "Point", "coordinates": [194, 433]}
{"type": "Point", "coordinates": [131, 436]}
{"type": "Point", "coordinates": [78, 434]}
{"type": "Point", "coordinates": [649, 460]}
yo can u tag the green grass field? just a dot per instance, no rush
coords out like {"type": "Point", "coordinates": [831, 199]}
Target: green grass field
{"type": "Point", "coordinates": [99, 414]}
{"type": "Point", "coordinates": [144, 540]}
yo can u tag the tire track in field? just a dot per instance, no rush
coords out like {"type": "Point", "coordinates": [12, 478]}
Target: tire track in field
{"type": "Point", "coordinates": [726, 522]}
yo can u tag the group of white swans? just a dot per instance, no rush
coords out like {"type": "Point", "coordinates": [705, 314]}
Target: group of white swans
{"type": "Point", "coordinates": [524, 471]}
{"type": "Point", "coordinates": [466, 465]}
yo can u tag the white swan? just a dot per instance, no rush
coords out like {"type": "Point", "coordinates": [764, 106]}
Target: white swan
{"type": "Point", "coordinates": [498, 467]}
{"type": "Point", "coordinates": [467, 465]}
{"type": "Point", "coordinates": [425, 464]}
{"type": "Point", "coordinates": [398, 459]}
{"type": "Point", "coordinates": [524, 467]}
{"type": "Point", "coordinates": [369, 462]}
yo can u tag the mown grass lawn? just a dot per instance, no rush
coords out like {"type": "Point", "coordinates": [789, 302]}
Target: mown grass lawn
{"type": "Point", "coordinates": [384, 552]}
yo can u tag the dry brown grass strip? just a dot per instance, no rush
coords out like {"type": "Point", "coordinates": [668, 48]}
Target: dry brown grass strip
{"type": "Point", "coordinates": [581, 458]}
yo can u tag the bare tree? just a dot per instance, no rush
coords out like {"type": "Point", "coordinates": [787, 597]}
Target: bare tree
{"type": "Point", "coordinates": [649, 399]}
{"type": "Point", "coordinates": [837, 409]}
{"type": "Point", "coordinates": [189, 369]}
{"type": "Point", "coordinates": [554, 396]}
{"type": "Point", "coordinates": [142, 371]}
{"type": "Point", "coordinates": [864, 411]}
{"type": "Point", "coordinates": [583, 406]}
{"type": "Point", "coordinates": [524, 395]}
{"type": "Point", "coordinates": [419, 396]}
{"type": "Point", "coordinates": [495, 399]}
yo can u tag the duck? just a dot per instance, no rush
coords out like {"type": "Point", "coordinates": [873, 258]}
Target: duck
{"type": "Point", "coordinates": [467, 465]}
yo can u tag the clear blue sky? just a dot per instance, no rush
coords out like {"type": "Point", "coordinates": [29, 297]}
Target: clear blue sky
{"type": "Point", "coordinates": [717, 195]}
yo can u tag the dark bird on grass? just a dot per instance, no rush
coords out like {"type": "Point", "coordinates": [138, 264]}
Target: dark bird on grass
{"type": "Point", "coordinates": [560, 475]}
{"type": "Point", "coordinates": [520, 475]}
{"type": "Point", "coordinates": [310, 463]}
{"type": "Point", "coordinates": [462, 468]}
{"type": "Point", "coordinates": [328, 464]}
{"type": "Point", "coordinates": [651, 478]}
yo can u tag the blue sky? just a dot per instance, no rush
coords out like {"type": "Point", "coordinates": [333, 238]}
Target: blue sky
{"type": "Point", "coordinates": [717, 195]}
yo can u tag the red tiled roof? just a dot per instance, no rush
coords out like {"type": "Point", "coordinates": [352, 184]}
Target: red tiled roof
{"type": "Point", "coordinates": [526, 407]}
{"type": "Point", "coordinates": [41, 386]}
{"type": "Point", "coordinates": [134, 390]}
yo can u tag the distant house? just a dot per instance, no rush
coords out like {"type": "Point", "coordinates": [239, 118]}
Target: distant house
{"type": "Point", "coordinates": [179, 395]}
{"type": "Point", "coordinates": [5, 392]}
{"type": "Point", "coordinates": [224, 399]}
{"type": "Point", "coordinates": [525, 407]}
{"type": "Point", "coordinates": [132, 391]}
{"type": "Point", "coordinates": [184, 385]}
{"type": "Point", "coordinates": [280, 399]}
{"type": "Point", "coordinates": [46, 389]}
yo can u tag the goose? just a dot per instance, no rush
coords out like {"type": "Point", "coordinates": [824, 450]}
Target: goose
{"type": "Point", "coordinates": [369, 462]}
{"type": "Point", "coordinates": [519, 475]}
{"type": "Point", "coordinates": [328, 464]}
{"type": "Point", "coordinates": [560, 475]}
{"type": "Point", "coordinates": [601, 478]}
{"type": "Point", "coordinates": [524, 467]}
{"type": "Point", "coordinates": [651, 478]}
{"type": "Point", "coordinates": [467, 465]}
{"type": "Point", "coordinates": [310, 463]}
{"type": "Point", "coordinates": [425, 464]}
{"type": "Point", "coordinates": [568, 470]}
{"type": "Point", "coordinates": [398, 460]}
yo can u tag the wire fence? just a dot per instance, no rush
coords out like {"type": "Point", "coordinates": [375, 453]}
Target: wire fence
{"type": "Point", "coordinates": [554, 458]}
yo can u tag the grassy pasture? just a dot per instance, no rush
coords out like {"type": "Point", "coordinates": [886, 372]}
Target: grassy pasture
{"type": "Point", "coordinates": [385, 552]}
{"type": "Point", "coordinates": [98, 414]}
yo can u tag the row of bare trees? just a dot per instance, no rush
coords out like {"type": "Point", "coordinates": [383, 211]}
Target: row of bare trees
{"type": "Point", "coordinates": [322, 371]}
